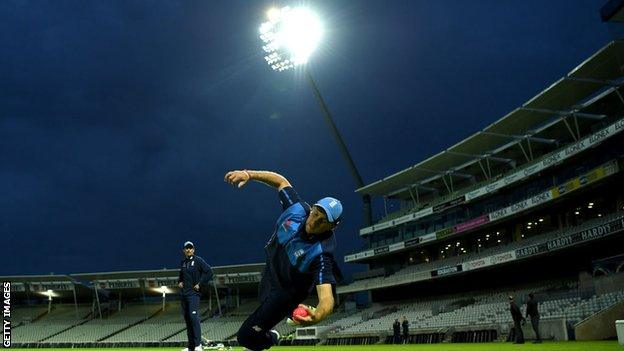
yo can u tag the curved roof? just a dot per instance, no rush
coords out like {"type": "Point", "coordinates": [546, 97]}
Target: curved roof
{"type": "Point", "coordinates": [531, 122]}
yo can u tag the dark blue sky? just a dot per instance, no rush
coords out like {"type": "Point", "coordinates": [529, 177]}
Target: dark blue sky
{"type": "Point", "coordinates": [118, 119]}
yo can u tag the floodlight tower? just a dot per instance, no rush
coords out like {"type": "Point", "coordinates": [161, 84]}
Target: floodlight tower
{"type": "Point", "coordinates": [290, 36]}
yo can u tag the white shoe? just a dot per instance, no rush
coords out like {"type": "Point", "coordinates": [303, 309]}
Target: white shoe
{"type": "Point", "coordinates": [198, 348]}
{"type": "Point", "coordinates": [276, 335]}
{"type": "Point", "coordinates": [185, 349]}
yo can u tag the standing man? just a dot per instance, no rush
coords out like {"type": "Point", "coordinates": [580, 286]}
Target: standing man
{"type": "Point", "coordinates": [405, 325]}
{"type": "Point", "coordinates": [531, 311]}
{"type": "Point", "coordinates": [396, 331]}
{"type": "Point", "coordinates": [194, 274]}
{"type": "Point", "coordinates": [299, 257]}
{"type": "Point", "coordinates": [516, 315]}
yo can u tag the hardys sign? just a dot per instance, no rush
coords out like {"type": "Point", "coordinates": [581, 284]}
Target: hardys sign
{"type": "Point", "coordinates": [592, 233]}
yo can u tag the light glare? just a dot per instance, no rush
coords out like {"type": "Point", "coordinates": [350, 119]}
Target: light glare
{"type": "Point", "coordinates": [290, 37]}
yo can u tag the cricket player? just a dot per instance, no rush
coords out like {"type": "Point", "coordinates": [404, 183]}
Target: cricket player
{"type": "Point", "coordinates": [299, 256]}
{"type": "Point", "coordinates": [194, 273]}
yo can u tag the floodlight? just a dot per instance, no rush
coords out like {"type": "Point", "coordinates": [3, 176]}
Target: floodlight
{"type": "Point", "coordinates": [48, 293]}
{"type": "Point", "coordinates": [163, 289]}
{"type": "Point", "coordinates": [290, 36]}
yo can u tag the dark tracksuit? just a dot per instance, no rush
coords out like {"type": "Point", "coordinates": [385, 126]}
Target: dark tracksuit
{"type": "Point", "coordinates": [193, 270]}
{"type": "Point", "coordinates": [531, 311]}
{"type": "Point", "coordinates": [295, 263]}
{"type": "Point", "coordinates": [405, 325]}
{"type": "Point", "coordinates": [516, 315]}
{"type": "Point", "coordinates": [396, 332]}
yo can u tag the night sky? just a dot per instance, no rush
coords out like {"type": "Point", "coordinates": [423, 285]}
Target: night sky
{"type": "Point", "coordinates": [118, 119]}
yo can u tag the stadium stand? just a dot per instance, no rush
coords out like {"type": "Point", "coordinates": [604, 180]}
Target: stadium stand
{"type": "Point", "coordinates": [42, 325]}
{"type": "Point", "coordinates": [99, 329]}
{"type": "Point", "coordinates": [160, 326]}
{"type": "Point", "coordinates": [535, 195]}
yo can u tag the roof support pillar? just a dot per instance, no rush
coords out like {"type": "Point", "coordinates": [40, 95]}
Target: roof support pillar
{"type": "Point", "coordinates": [524, 152]}
{"type": "Point", "coordinates": [385, 199]}
{"type": "Point", "coordinates": [578, 132]}
{"type": "Point", "coordinates": [619, 95]}
{"type": "Point", "coordinates": [446, 184]}
{"type": "Point", "coordinates": [565, 121]}
{"type": "Point", "coordinates": [487, 177]}
{"type": "Point", "coordinates": [415, 201]}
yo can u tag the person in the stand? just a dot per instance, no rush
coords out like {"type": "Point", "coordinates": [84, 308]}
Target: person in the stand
{"type": "Point", "coordinates": [405, 326]}
{"type": "Point", "coordinates": [516, 315]}
{"type": "Point", "coordinates": [533, 314]}
{"type": "Point", "coordinates": [396, 329]}
{"type": "Point", "coordinates": [194, 273]}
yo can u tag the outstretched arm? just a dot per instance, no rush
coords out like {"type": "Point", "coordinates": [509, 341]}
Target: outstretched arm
{"type": "Point", "coordinates": [272, 179]}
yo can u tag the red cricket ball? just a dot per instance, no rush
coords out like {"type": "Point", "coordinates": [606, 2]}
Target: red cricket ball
{"type": "Point", "coordinates": [299, 312]}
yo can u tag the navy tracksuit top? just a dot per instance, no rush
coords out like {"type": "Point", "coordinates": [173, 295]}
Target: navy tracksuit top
{"type": "Point", "coordinates": [194, 270]}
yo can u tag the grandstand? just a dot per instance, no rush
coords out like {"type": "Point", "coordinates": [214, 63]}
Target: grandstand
{"type": "Point", "coordinates": [536, 195]}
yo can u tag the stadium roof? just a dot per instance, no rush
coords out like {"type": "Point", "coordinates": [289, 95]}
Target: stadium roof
{"type": "Point", "coordinates": [63, 286]}
{"type": "Point", "coordinates": [162, 273]}
{"type": "Point", "coordinates": [37, 282]}
{"type": "Point", "coordinates": [613, 11]}
{"type": "Point", "coordinates": [540, 122]}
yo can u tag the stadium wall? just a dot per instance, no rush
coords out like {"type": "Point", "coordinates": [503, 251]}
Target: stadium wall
{"type": "Point", "coordinates": [601, 325]}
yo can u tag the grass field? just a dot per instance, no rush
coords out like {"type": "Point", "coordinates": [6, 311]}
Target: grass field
{"type": "Point", "coordinates": [547, 346]}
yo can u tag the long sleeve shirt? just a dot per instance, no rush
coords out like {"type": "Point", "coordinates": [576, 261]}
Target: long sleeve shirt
{"type": "Point", "coordinates": [194, 270]}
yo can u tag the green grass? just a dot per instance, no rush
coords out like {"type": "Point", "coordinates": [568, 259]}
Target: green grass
{"type": "Point", "coordinates": [546, 346]}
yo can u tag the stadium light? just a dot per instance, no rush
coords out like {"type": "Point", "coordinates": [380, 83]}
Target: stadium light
{"type": "Point", "coordinates": [289, 37]}
{"type": "Point", "coordinates": [163, 289]}
{"type": "Point", "coordinates": [49, 293]}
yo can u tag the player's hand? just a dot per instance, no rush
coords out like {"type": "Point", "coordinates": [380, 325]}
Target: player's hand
{"type": "Point", "coordinates": [311, 318]}
{"type": "Point", "coordinates": [196, 287]}
{"type": "Point", "coordinates": [181, 285]}
{"type": "Point", "coordinates": [238, 178]}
